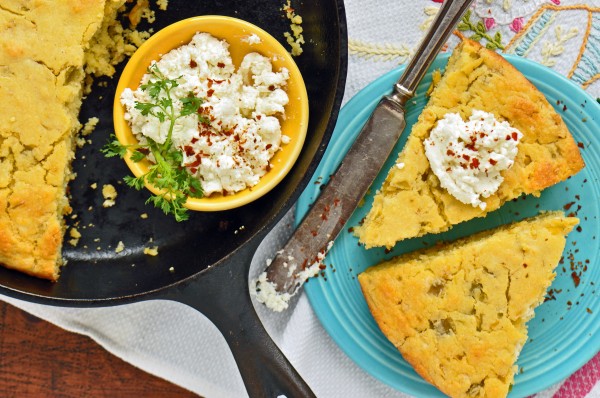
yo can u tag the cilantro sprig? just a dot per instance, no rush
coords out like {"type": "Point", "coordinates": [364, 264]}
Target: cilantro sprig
{"type": "Point", "coordinates": [166, 172]}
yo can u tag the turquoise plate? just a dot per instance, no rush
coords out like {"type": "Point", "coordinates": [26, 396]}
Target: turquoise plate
{"type": "Point", "coordinates": [563, 336]}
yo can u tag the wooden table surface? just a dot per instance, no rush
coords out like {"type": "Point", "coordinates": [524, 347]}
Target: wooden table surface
{"type": "Point", "coordinates": [38, 359]}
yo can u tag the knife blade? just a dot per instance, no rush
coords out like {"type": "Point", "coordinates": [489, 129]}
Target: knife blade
{"type": "Point", "coordinates": [301, 256]}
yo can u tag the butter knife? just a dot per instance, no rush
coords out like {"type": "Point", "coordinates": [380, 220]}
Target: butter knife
{"type": "Point", "coordinates": [300, 257]}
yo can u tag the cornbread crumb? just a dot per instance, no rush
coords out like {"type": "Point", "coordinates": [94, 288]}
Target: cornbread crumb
{"type": "Point", "coordinates": [144, 215]}
{"type": "Point", "coordinates": [75, 235]}
{"type": "Point", "coordinates": [296, 38]}
{"type": "Point", "coordinates": [162, 4]}
{"type": "Point", "coordinates": [94, 185]}
{"type": "Point", "coordinates": [172, 269]}
{"type": "Point", "coordinates": [110, 194]}
{"type": "Point", "coordinates": [89, 126]}
{"type": "Point", "coordinates": [120, 247]}
{"type": "Point", "coordinates": [151, 251]}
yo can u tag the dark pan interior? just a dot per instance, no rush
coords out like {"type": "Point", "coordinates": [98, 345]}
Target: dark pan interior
{"type": "Point", "coordinates": [95, 271]}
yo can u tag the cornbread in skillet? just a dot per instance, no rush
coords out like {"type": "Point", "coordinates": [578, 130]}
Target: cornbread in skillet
{"type": "Point", "coordinates": [43, 47]}
{"type": "Point", "coordinates": [458, 312]}
{"type": "Point", "coordinates": [411, 201]}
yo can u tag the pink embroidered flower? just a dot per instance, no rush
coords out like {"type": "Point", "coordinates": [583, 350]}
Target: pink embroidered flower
{"type": "Point", "coordinates": [557, 2]}
{"type": "Point", "coordinates": [489, 23]}
{"type": "Point", "coordinates": [517, 25]}
{"type": "Point", "coordinates": [438, 1]}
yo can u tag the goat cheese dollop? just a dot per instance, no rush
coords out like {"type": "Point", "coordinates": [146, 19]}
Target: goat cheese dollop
{"type": "Point", "coordinates": [468, 157]}
{"type": "Point", "coordinates": [231, 150]}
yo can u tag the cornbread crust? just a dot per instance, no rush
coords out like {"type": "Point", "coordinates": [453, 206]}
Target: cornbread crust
{"type": "Point", "coordinates": [412, 203]}
{"type": "Point", "coordinates": [42, 56]}
{"type": "Point", "coordinates": [458, 313]}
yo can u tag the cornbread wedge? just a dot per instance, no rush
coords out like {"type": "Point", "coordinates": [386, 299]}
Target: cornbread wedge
{"type": "Point", "coordinates": [412, 203]}
{"type": "Point", "coordinates": [43, 46]}
{"type": "Point", "coordinates": [458, 312]}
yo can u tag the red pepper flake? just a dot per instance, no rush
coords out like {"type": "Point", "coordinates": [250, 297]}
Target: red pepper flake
{"type": "Point", "coordinates": [524, 265]}
{"type": "Point", "coordinates": [193, 63]}
{"type": "Point", "coordinates": [515, 136]}
{"type": "Point", "coordinates": [575, 278]}
{"type": "Point", "coordinates": [268, 146]}
{"type": "Point", "coordinates": [271, 88]}
{"type": "Point", "coordinates": [221, 65]}
{"type": "Point", "coordinates": [193, 170]}
{"type": "Point", "coordinates": [579, 229]}
{"type": "Point", "coordinates": [210, 83]}
{"type": "Point", "coordinates": [466, 157]}
{"type": "Point", "coordinates": [313, 233]}
{"type": "Point", "coordinates": [258, 117]}
{"type": "Point", "coordinates": [474, 163]}
{"type": "Point", "coordinates": [493, 162]}
{"type": "Point", "coordinates": [304, 264]}
{"type": "Point", "coordinates": [196, 162]}
{"type": "Point", "coordinates": [450, 152]}
{"type": "Point", "coordinates": [210, 92]}
{"type": "Point", "coordinates": [507, 137]}
{"type": "Point", "coordinates": [189, 151]}
{"type": "Point", "coordinates": [322, 266]}
{"type": "Point", "coordinates": [564, 108]}
{"type": "Point", "coordinates": [482, 135]}
{"type": "Point", "coordinates": [589, 311]}
{"type": "Point", "coordinates": [568, 205]}
{"type": "Point", "coordinates": [580, 145]}
{"type": "Point", "coordinates": [351, 230]}
{"type": "Point", "coordinates": [194, 140]}
{"type": "Point", "coordinates": [336, 202]}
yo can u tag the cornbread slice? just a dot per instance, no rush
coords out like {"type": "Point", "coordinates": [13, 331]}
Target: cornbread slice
{"type": "Point", "coordinates": [43, 46]}
{"type": "Point", "coordinates": [412, 203]}
{"type": "Point", "coordinates": [458, 312]}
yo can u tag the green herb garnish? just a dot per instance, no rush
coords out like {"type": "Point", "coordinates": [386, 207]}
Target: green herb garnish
{"type": "Point", "coordinates": [166, 173]}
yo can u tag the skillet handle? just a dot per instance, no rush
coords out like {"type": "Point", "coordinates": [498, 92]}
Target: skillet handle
{"type": "Point", "coordinates": [221, 293]}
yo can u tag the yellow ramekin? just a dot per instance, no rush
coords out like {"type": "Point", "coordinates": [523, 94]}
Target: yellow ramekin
{"type": "Point", "coordinates": [233, 30]}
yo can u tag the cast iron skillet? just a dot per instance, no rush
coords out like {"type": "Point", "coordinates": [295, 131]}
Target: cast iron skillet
{"type": "Point", "coordinates": [210, 254]}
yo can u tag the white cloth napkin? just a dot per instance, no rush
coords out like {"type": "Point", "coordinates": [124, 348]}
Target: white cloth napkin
{"type": "Point", "coordinates": [179, 344]}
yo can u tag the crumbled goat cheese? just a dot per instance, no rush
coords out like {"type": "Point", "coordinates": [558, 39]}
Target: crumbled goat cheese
{"type": "Point", "coordinates": [252, 39]}
{"type": "Point", "coordinates": [266, 292]}
{"type": "Point", "coordinates": [234, 151]}
{"type": "Point", "coordinates": [468, 157]}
